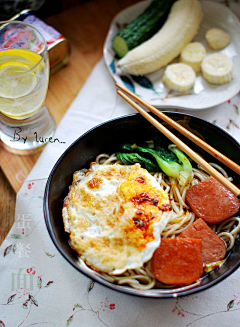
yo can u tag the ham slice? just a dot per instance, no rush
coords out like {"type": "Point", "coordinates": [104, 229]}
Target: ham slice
{"type": "Point", "coordinates": [211, 201]}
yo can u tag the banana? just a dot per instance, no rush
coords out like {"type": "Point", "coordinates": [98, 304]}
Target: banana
{"type": "Point", "coordinates": [217, 39]}
{"type": "Point", "coordinates": [193, 55]}
{"type": "Point", "coordinates": [217, 68]}
{"type": "Point", "coordinates": [179, 77]}
{"type": "Point", "coordinates": [180, 27]}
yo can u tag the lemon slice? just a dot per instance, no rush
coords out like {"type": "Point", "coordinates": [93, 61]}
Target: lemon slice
{"type": "Point", "coordinates": [15, 80]}
{"type": "Point", "coordinates": [13, 108]}
{"type": "Point", "coordinates": [19, 97]}
{"type": "Point", "coordinates": [33, 57]}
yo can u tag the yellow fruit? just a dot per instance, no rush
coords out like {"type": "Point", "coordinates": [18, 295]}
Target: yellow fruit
{"type": "Point", "coordinates": [217, 39]}
{"type": "Point", "coordinates": [179, 29]}
{"type": "Point", "coordinates": [217, 68]}
{"type": "Point", "coordinates": [193, 55]}
{"type": "Point", "coordinates": [179, 77]}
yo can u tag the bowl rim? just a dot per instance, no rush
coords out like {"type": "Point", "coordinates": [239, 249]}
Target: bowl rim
{"type": "Point", "coordinates": [129, 291]}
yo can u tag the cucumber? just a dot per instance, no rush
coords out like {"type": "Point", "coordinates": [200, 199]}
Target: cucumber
{"type": "Point", "coordinates": [143, 27]}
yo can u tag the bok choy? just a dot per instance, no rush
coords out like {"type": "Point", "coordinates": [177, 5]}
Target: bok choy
{"type": "Point", "coordinates": [172, 161]}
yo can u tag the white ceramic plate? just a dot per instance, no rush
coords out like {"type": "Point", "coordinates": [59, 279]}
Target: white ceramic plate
{"type": "Point", "coordinates": [151, 88]}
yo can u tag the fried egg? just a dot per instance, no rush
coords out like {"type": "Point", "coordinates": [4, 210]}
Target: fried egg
{"type": "Point", "coordinates": [114, 215]}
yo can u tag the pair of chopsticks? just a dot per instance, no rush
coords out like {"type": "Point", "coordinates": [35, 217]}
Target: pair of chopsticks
{"type": "Point", "coordinates": [198, 159]}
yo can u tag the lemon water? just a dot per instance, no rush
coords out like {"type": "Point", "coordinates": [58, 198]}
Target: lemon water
{"type": "Point", "coordinates": [23, 83]}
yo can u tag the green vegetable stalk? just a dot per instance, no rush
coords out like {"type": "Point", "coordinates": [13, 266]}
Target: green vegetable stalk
{"type": "Point", "coordinates": [185, 176]}
{"type": "Point", "coordinates": [182, 158]}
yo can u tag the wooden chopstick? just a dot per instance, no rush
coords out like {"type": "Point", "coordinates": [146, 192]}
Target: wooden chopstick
{"type": "Point", "coordinates": [204, 164]}
{"type": "Point", "coordinates": [215, 153]}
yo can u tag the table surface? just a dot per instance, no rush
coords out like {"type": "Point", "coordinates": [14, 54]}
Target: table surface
{"type": "Point", "coordinates": [86, 27]}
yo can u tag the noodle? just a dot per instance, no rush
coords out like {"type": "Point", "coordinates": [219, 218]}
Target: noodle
{"type": "Point", "coordinates": [179, 218]}
{"type": "Point", "coordinates": [228, 231]}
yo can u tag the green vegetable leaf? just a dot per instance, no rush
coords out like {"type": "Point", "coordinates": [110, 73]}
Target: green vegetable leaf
{"type": "Point", "coordinates": [127, 147]}
{"type": "Point", "coordinates": [170, 159]}
{"type": "Point", "coordinates": [171, 168]}
{"type": "Point", "coordinates": [165, 153]}
{"type": "Point", "coordinates": [132, 158]}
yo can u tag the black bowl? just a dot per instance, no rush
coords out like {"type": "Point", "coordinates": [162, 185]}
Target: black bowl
{"type": "Point", "coordinates": [108, 138]}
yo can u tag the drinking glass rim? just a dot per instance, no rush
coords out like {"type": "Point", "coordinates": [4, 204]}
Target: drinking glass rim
{"type": "Point", "coordinates": [45, 52]}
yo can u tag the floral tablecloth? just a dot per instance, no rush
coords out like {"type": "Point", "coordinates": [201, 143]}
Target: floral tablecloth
{"type": "Point", "coordinates": [39, 288]}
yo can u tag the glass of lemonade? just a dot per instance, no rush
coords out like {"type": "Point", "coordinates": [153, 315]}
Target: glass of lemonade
{"type": "Point", "coordinates": [25, 121]}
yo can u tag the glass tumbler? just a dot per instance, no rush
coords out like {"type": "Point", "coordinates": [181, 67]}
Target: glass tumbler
{"type": "Point", "coordinates": [25, 121]}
